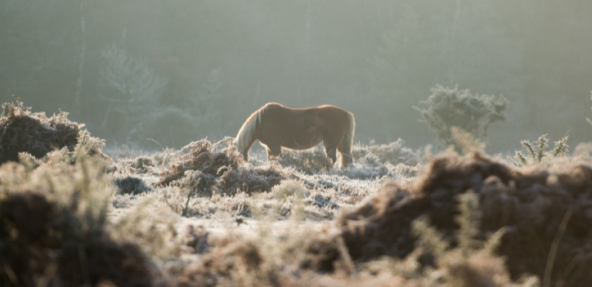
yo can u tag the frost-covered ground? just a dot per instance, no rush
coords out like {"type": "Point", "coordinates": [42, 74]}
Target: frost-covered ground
{"type": "Point", "coordinates": [202, 216]}
{"type": "Point", "coordinates": [309, 187]}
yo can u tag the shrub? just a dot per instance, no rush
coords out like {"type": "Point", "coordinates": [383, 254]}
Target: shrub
{"type": "Point", "coordinates": [536, 151]}
{"type": "Point", "coordinates": [447, 108]}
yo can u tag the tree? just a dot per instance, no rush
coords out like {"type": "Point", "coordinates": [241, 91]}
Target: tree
{"type": "Point", "coordinates": [133, 89]}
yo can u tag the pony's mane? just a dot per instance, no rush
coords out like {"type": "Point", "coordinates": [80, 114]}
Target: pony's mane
{"type": "Point", "coordinates": [244, 138]}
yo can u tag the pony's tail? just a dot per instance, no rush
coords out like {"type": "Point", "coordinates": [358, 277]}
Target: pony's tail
{"type": "Point", "coordinates": [347, 141]}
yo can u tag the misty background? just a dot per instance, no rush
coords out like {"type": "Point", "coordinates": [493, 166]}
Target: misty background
{"type": "Point", "coordinates": [153, 73]}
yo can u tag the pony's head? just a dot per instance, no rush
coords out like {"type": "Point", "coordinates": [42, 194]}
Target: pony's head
{"type": "Point", "coordinates": [246, 135]}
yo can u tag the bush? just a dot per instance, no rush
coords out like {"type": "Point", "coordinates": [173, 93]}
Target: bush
{"type": "Point", "coordinates": [537, 152]}
{"type": "Point", "coordinates": [447, 108]}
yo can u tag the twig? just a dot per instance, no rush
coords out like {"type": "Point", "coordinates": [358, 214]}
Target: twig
{"type": "Point", "coordinates": [554, 247]}
{"type": "Point", "coordinates": [153, 140]}
{"type": "Point", "coordinates": [343, 252]}
{"type": "Point", "coordinates": [11, 276]}
{"type": "Point", "coordinates": [572, 264]}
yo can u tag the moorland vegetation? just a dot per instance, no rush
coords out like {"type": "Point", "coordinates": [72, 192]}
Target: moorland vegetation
{"type": "Point", "coordinates": [202, 216]}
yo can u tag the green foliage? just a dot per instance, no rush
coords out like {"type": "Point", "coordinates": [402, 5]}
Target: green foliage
{"type": "Point", "coordinates": [447, 108]}
{"type": "Point", "coordinates": [561, 147]}
{"type": "Point", "coordinates": [537, 152]}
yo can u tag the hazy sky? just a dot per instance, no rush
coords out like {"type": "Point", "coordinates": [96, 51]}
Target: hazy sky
{"type": "Point", "coordinates": [183, 70]}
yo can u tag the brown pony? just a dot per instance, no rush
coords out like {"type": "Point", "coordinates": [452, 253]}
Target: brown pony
{"type": "Point", "coordinates": [276, 126]}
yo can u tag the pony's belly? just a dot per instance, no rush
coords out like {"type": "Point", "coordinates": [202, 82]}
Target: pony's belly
{"type": "Point", "coordinates": [302, 143]}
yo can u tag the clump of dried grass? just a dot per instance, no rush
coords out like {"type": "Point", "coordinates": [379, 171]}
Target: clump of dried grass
{"type": "Point", "coordinates": [54, 229]}
{"type": "Point", "coordinates": [531, 202]}
{"type": "Point", "coordinates": [204, 171]}
{"type": "Point", "coordinates": [37, 134]}
{"type": "Point", "coordinates": [249, 180]}
{"type": "Point", "coordinates": [202, 157]}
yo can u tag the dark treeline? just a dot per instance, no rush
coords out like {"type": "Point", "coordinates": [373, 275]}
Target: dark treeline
{"type": "Point", "coordinates": [176, 71]}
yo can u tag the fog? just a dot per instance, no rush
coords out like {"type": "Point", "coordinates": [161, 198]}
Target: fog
{"type": "Point", "coordinates": [155, 73]}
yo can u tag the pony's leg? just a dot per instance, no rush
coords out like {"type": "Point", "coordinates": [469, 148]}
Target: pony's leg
{"type": "Point", "coordinates": [346, 159]}
{"type": "Point", "coordinates": [273, 151]}
{"type": "Point", "coordinates": [331, 153]}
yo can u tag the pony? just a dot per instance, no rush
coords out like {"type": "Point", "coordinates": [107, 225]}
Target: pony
{"type": "Point", "coordinates": [276, 126]}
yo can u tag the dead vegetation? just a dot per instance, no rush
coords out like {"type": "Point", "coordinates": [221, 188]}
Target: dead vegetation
{"type": "Point", "coordinates": [204, 170]}
{"type": "Point", "coordinates": [53, 228]}
{"type": "Point", "coordinates": [37, 134]}
{"type": "Point", "coordinates": [546, 212]}
{"type": "Point", "coordinates": [370, 161]}
{"type": "Point", "coordinates": [466, 221]}
{"type": "Point", "coordinates": [393, 153]}
{"type": "Point", "coordinates": [306, 257]}
{"type": "Point", "coordinates": [309, 162]}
